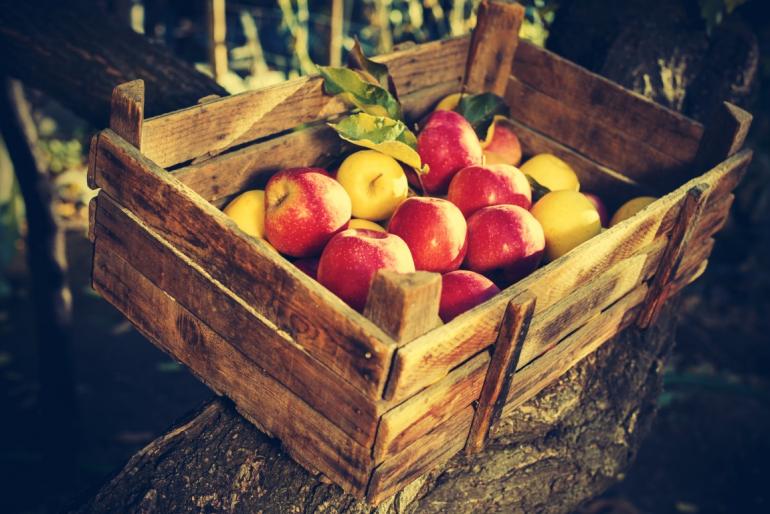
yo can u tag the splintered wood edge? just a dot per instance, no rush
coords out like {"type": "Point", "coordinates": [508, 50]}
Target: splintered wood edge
{"type": "Point", "coordinates": [493, 46]}
{"type": "Point", "coordinates": [404, 305]}
{"type": "Point", "coordinates": [127, 111]}
{"type": "Point", "coordinates": [505, 356]}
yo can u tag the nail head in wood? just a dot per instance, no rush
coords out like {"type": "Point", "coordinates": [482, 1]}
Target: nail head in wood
{"type": "Point", "coordinates": [493, 45]}
{"type": "Point", "coordinates": [404, 305]}
{"type": "Point", "coordinates": [127, 111]}
{"type": "Point", "coordinates": [505, 356]}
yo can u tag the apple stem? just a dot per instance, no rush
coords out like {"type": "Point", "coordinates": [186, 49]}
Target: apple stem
{"type": "Point", "coordinates": [422, 186]}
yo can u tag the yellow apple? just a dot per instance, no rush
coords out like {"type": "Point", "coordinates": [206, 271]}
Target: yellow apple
{"type": "Point", "coordinates": [375, 182]}
{"type": "Point", "coordinates": [630, 208]}
{"type": "Point", "coordinates": [551, 172]}
{"type": "Point", "coordinates": [248, 212]}
{"type": "Point", "coordinates": [448, 103]}
{"type": "Point", "coordinates": [568, 218]}
{"type": "Point", "coordinates": [365, 224]}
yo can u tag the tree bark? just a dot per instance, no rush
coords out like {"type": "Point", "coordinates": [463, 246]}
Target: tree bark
{"type": "Point", "coordinates": [564, 446]}
{"type": "Point", "coordinates": [77, 54]}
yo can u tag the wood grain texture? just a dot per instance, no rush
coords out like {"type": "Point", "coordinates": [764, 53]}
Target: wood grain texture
{"type": "Point", "coordinates": [493, 45]}
{"type": "Point", "coordinates": [599, 98]}
{"type": "Point", "coordinates": [428, 452]}
{"type": "Point", "coordinates": [221, 124]}
{"type": "Point", "coordinates": [409, 421]}
{"type": "Point", "coordinates": [127, 111]}
{"type": "Point", "coordinates": [404, 305]}
{"type": "Point", "coordinates": [687, 221]}
{"type": "Point", "coordinates": [314, 442]}
{"type": "Point", "coordinates": [505, 356]}
{"type": "Point", "coordinates": [317, 320]}
{"type": "Point", "coordinates": [429, 357]}
{"type": "Point", "coordinates": [236, 322]}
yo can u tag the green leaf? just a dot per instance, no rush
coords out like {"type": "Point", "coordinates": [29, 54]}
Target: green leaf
{"type": "Point", "coordinates": [386, 135]}
{"type": "Point", "coordinates": [481, 109]}
{"type": "Point", "coordinates": [538, 189]}
{"type": "Point", "coordinates": [351, 86]}
{"type": "Point", "coordinates": [373, 72]}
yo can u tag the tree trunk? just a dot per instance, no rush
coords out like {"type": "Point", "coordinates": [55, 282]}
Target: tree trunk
{"type": "Point", "coordinates": [78, 54]}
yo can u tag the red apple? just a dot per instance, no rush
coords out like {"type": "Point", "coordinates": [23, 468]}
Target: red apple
{"type": "Point", "coordinates": [475, 187]}
{"type": "Point", "coordinates": [352, 257]}
{"type": "Point", "coordinates": [447, 144]}
{"type": "Point", "coordinates": [308, 266]}
{"type": "Point", "coordinates": [435, 231]}
{"type": "Point", "coordinates": [305, 208]}
{"type": "Point", "coordinates": [604, 216]}
{"type": "Point", "coordinates": [502, 145]}
{"type": "Point", "coordinates": [504, 237]}
{"type": "Point", "coordinates": [462, 290]}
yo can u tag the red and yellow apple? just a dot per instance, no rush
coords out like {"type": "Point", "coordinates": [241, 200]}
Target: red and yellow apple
{"type": "Point", "coordinates": [502, 145]}
{"type": "Point", "coordinates": [447, 144]}
{"type": "Point", "coordinates": [305, 208]}
{"type": "Point", "coordinates": [435, 231]}
{"type": "Point", "coordinates": [352, 258]}
{"type": "Point", "coordinates": [462, 290]}
{"type": "Point", "coordinates": [475, 187]}
{"type": "Point", "coordinates": [375, 182]}
{"type": "Point", "coordinates": [504, 237]}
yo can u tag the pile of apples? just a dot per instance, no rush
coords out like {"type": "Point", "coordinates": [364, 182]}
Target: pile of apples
{"type": "Point", "coordinates": [475, 221]}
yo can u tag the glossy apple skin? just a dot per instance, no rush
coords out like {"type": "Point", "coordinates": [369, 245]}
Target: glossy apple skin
{"type": "Point", "coordinates": [503, 147]}
{"type": "Point", "coordinates": [604, 215]}
{"type": "Point", "coordinates": [352, 258]}
{"type": "Point", "coordinates": [504, 237]}
{"type": "Point", "coordinates": [435, 231]}
{"type": "Point", "coordinates": [447, 144]}
{"type": "Point", "coordinates": [462, 290]}
{"type": "Point", "coordinates": [305, 208]}
{"type": "Point", "coordinates": [475, 187]}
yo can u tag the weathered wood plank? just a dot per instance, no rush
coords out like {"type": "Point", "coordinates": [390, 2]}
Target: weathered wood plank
{"type": "Point", "coordinates": [221, 124]}
{"type": "Point", "coordinates": [596, 97]}
{"type": "Point", "coordinates": [236, 322]}
{"type": "Point", "coordinates": [505, 356]}
{"type": "Point", "coordinates": [428, 452]}
{"type": "Point", "coordinates": [686, 223]}
{"type": "Point", "coordinates": [493, 45]}
{"type": "Point", "coordinates": [724, 136]}
{"type": "Point", "coordinates": [595, 138]}
{"type": "Point", "coordinates": [408, 422]}
{"type": "Point", "coordinates": [309, 437]}
{"type": "Point", "coordinates": [127, 111]}
{"type": "Point", "coordinates": [317, 320]}
{"type": "Point", "coordinates": [404, 305]}
{"type": "Point", "coordinates": [431, 356]}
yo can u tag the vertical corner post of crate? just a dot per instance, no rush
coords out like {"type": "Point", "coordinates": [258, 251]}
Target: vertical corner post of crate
{"type": "Point", "coordinates": [505, 356]}
{"type": "Point", "coordinates": [493, 46]}
{"type": "Point", "coordinates": [723, 137]}
{"type": "Point", "coordinates": [404, 305]}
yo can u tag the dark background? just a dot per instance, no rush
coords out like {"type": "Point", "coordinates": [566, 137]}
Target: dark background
{"type": "Point", "coordinates": [709, 450]}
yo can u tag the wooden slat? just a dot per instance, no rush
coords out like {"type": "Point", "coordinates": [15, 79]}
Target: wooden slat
{"type": "Point", "coordinates": [310, 438]}
{"type": "Point", "coordinates": [404, 305]}
{"type": "Point", "coordinates": [595, 138]}
{"type": "Point", "coordinates": [431, 356]}
{"type": "Point", "coordinates": [724, 136]}
{"type": "Point", "coordinates": [614, 187]}
{"type": "Point", "coordinates": [216, 126]}
{"type": "Point", "coordinates": [236, 321]}
{"type": "Point", "coordinates": [697, 254]}
{"type": "Point", "coordinates": [317, 320]}
{"type": "Point", "coordinates": [408, 422]}
{"type": "Point", "coordinates": [493, 45]}
{"type": "Point", "coordinates": [224, 175]}
{"type": "Point", "coordinates": [539, 374]}
{"type": "Point", "coordinates": [687, 221]}
{"type": "Point", "coordinates": [427, 453]}
{"type": "Point", "coordinates": [127, 111]}
{"type": "Point", "coordinates": [597, 98]}
{"type": "Point", "coordinates": [715, 218]}
{"type": "Point", "coordinates": [505, 356]}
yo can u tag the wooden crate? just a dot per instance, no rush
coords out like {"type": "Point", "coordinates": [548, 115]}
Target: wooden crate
{"type": "Point", "coordinates": [375, 400]}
